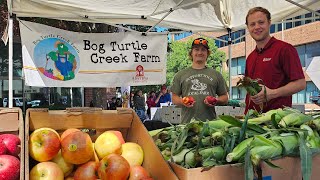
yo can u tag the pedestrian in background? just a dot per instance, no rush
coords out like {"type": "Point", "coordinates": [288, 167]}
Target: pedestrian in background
{"type": "Point", "coordinates": [163, 97]}
{"type": "Point", "coordinates": [151, 102]}
{"type": "Point", "coordinates": [139, 105]}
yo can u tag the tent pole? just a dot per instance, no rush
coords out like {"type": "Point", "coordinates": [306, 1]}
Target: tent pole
{"type": "Point", "coordinates": [82, 96]}
{"type": "Point", "coordinates": [10, 32]}
{"type": "Point", "coordinates": [71, 97]}
{"type": "Point", "coordinates": [229, 62]}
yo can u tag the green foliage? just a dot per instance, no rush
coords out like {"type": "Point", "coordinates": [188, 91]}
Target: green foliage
{"type": "Point", "coordinates": [178, 57]}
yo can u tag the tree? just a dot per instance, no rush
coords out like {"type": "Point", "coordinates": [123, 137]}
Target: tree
{"type": "Point", "coordinates": [178, 57]}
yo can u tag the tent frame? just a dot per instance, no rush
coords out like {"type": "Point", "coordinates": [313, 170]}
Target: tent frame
{"type": "Point", "coordinates": [229, 30]}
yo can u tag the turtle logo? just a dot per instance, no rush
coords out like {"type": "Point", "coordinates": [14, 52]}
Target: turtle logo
{"type": "Point", "coordinates": [56, 59]}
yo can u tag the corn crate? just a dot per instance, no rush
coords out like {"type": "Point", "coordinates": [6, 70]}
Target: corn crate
{"type": "Point", "coordinates": [290, 170]}
{"type": "Point", "coordinates": [11, 122]}
{"type": "Point", "coordinates": [124, 120]}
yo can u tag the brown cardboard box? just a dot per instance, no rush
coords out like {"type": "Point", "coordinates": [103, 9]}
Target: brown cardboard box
{"type": "Point", "coordinates": [11, 122]}
{"type": "Point", "coordinates": [124, 120]}
{"type": "Point", "coordinates": [290, 171]}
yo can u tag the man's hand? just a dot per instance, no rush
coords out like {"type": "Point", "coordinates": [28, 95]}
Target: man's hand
{"type": "Point", "coordinates": [188, 101]}
{"type": "Point", "coordinates": [265, 95]}
{"type": "Point", "coordinates": [210, 101]}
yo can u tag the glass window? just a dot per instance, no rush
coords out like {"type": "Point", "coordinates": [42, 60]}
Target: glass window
{"type": "Point", "coordinates": [311, 89]}
{"type": "Point", "coordinates": [318, 19]}
{"type": "Point", "coordinates": [301, 52]}
{"type": "Point", "coordinates": [243, 93]}
{"type": "Point", "coordinates": [297, 23]}
{"type": "Point", "coordinates": [313, 49]}
{"type": "Point", "coordinates": [241, 65]}
{"type": "Point", "coordinates": [235, 93]}
{"type": "Point", "coordinates": [294, 99]}
{"type": "Point", "coordinates": [288, 24]}
{"type": "Point", "coordinates": [279, 27]}
{"type": "Point", "coordinates": [272, 28]}
{"type": "Point", "coordinates": [307, 16]}
{"type": "Point", "coordinates": [234, 67]}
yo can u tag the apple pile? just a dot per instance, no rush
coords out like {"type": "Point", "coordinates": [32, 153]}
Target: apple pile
{"type": "Point", "coordinates": [74, 155]}
{"type": "Point", "coordinates": [9, 157]}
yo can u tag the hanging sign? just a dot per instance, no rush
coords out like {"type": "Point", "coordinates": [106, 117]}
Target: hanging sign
{"type": "Point", "coordinates": [57, 58]}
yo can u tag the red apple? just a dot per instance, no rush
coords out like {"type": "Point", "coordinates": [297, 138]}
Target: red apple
{"type": "Point", "coordinates": [46, 171]}
{"type": "Point", "coordinates": [12, 142]}
{"type": "Point", "coordinates": [3, 148]}
{"type": "Point", "coordinates": [67, 132]}
{"type": "Point", "coordinates": [86, 171]}
{"type": "Point", "coordinates": [77, 148]}
{"type": "Point", "coordinates": [188, 100]}
{"type": "Point", "coordinates": [119, 135]}
{"type": "Point", "coordinates": [108, 143]}
{"type": "Point", "coordinates": [9, 167]}
{"type": "Point", "coordinates": [44, 144]}
{"type": "Point", "coordinates": [113, 167]}
{"type": "Point", "coordinates": [138, 172]}
{"type": "Point", "coordinates": [211, 100]}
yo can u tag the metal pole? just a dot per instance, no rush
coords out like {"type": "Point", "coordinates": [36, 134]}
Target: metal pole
{"type": "Point", "coordinates": [282, 30]}
{"type": "Point", "coordinates": [71, 97]}
{"type": "Point", "coordinates": [229, 63]}
{"type": "Point", "coordinates": [10, 32]}
{"type": "Point", "coordinates": [49, 97]}
{"type": "Point", "coordinates": [82, 96]}
{"type": "Point", "coordinates": [23, 97]}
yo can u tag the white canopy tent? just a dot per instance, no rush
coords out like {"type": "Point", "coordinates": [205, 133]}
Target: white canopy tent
{"type": "Point", "coordinates": [187, 15]}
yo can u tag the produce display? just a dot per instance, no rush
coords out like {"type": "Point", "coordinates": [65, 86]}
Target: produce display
{"type": "Point", "coordinates": [256, 138]}
{"type": "Point", "coordinates": [9, 157]}
{"type": "Point", "coordinates": [74, 155]}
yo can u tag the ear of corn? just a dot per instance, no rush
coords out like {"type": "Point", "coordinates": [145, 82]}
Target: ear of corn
{"type": "Point", "coordinates": [259, 153]}
{"type": "Point", "coordinates": [218, 124]}
{"type": "Point", "coordinates": [251, 86]}
{"type": "Point", "coordinates": [261, 141]}
{"type": "Point", "coordinates": [294, 119]}
{"type": "Point", "coordinates": [239, 151]}
{"type": "Point", "coordinates": [212, 152]}
{"type": "Point", "coordinates": [190, 160]}
{"type": "Point", "coordinates": [312, 139]}
{"type": "Point", "coordinates": [266, 117]}
{"type": "Point", "coordinates": [289, 141]}
{"type": "Point", "coordinates": [179, 158]}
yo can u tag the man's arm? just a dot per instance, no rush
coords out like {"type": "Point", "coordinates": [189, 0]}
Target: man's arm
{"type": "Point", "coordinates": [222, 99]}
{"type": "Point", "coordinates": [177, 100]}
{"type": "Point", "coordinates": [287, 90]}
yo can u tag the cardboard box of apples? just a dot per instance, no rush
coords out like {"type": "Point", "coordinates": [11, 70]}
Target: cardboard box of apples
{"type": "Point", "coordinates": [90, 143]}
{"type": "Point", "coordinates": [11, 144]}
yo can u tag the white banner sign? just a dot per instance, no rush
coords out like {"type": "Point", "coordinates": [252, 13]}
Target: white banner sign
{"type": "Point", "coordinates": [57, 58]}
